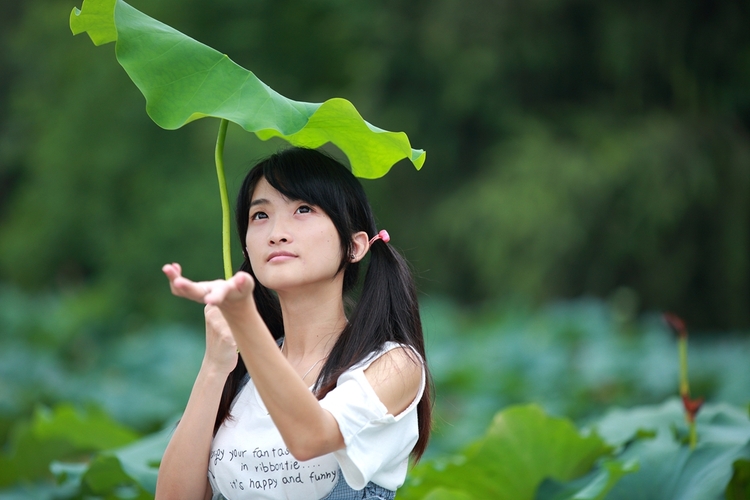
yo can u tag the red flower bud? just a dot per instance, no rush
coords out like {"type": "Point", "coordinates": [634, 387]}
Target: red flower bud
{"type": "Point", "coordinates": [691, 407]}
{"type": "Point", "coordinates": [676, 324]}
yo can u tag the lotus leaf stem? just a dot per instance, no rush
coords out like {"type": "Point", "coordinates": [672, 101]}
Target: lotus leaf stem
{"type": "Point", "coordinates": [225, 220]}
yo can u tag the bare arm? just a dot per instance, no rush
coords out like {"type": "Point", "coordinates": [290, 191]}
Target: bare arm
{"type": "Point", "coordinates": [184, 467]}
{"type": "Point", "coordinates": [308, 430]}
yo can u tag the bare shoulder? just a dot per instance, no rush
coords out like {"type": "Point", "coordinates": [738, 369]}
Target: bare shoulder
{"type": "Point", "coordinates": [396, 377]}
{"type": "Point", "coordinates": [401, 361]}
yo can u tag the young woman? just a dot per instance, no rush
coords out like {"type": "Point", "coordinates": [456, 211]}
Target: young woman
{"type": "Point", "coordinates": [318, 403]}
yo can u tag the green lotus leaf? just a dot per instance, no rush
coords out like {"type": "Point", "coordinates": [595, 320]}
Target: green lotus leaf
{"type": "Point", "coordinates": [669, 469]}
{"type": "Point", "coordinates": [717, 423]}
{"type": "Point", "coordinates": [444, 494]}
{"type": "Point", "coordinates": [522, 447]}
{"type": "Point", "coordinates": [593, 486]}
{"type": "Point", "coordinates": [59, 433]}
{"type": "Point", "coordinates": [184, 80]}
{"type": "Point", "coordinates": [133, 468]}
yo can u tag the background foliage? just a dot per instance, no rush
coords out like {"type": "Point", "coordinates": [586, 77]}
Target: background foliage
{"type": "Point", "coordinates": [67, 395]}
{"type": "Point", "coordinates": [574, 147]}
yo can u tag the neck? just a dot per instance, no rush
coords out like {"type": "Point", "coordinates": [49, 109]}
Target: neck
{"type": "Point", "coordinates": [313, 321]}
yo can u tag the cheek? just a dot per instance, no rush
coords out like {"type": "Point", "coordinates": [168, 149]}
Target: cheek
{"type": "Point", "coordinates": [338, 253]}
{"type": "Point", "coordinates": [330, 241]}
{"type": "Point", "coordinates": [251, 250]}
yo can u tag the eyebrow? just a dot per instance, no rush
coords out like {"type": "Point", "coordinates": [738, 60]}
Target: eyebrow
{"type": "Point", "coordinates": [259, 201]}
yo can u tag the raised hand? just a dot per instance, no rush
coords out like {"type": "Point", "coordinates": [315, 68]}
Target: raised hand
{"type": "Point", "coordinates": [216, 292]}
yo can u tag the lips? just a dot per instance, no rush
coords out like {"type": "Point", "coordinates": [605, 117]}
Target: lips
{"type": "Point", "coordinates": [280, 256]}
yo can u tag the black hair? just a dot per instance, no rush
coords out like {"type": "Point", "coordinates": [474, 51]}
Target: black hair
{"type": "Point", "coordinates": [387, 309]}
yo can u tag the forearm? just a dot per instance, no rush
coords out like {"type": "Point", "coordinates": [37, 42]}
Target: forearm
{"type": "Point", "coordinates": [307, 429]}
{"type": "Point", "coordinates": [184, 467]}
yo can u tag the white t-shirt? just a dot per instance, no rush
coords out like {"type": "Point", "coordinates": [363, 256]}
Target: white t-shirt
{"type": "Point", "coordinates": [250, 460]}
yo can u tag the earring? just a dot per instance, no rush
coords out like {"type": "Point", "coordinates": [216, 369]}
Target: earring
{"type": "Point", "coordinates": [352, 257]}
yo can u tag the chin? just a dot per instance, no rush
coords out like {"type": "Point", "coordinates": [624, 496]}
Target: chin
{"type": "Point", "coordinates": [281, 283]}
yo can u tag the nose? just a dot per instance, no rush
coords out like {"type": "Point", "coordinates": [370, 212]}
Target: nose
{"type": "Point", "coordinates": [279, 233]}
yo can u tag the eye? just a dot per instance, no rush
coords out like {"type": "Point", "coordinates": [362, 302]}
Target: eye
{"type": "Point", "coordinates": [304, 209]}
{"type": "Point", "coordinates": [258, 215]}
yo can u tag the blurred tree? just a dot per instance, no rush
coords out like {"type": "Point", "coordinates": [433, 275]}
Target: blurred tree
{"type": "Point", "coordinates": [654, 204]}
{"type": "Point", "coordinates": [593, 144]}
{"type": "Point", "coordinates": [574, 146]}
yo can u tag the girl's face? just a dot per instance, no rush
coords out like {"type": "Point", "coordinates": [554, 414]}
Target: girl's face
{"type": "Point", "coordinates": [291, 244]}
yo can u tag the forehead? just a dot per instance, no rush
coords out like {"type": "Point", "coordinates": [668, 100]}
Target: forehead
{"type": "Point", "coordinates": [265, 193]}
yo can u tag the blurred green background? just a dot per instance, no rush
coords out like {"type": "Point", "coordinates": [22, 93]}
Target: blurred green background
{"type": "Point", "coordinates": [588, 166]}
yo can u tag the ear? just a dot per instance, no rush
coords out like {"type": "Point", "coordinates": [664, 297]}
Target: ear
{"type": "Point", "coordinates": [360, 246]}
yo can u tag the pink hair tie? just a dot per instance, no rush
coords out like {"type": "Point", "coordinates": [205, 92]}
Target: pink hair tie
{"type": "Point", "coordinates": [382, 235]}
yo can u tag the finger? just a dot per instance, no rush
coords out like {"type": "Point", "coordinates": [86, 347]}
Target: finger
{"type": "Point", "coordinates": [171, 271]}
{"type": "Point", "coordinates": [171, 274]}
{"type": "Point", "coordinates": [214, 316]}
{"type": "Point", "coordinates": [210, 311]}
{"type": "Point", "coordinates": [244, 282]}
{"type": "Point", "coordinates": [183, 287]}
{"type": "Point", "coordinates": [242, 286]}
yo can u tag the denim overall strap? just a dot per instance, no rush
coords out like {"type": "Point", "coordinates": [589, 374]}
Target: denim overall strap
{"type": "Point", "coordinates": [372, 491]}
